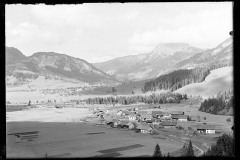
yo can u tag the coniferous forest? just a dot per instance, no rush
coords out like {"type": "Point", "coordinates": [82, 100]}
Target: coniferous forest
{"type": "Point", "coordinates": [151, 99]}
{"type": "Point", "coordinates": [223, 103]}
{"type": "Point", "coordinates": [179, 78]}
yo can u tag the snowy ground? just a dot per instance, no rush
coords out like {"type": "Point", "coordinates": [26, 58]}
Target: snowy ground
{"type": "Point", "coordinates": [49, 114]}
{"type": "Point", "coordinates": [218, 80]}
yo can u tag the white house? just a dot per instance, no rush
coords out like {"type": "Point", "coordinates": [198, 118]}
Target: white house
{"type": "Point", "coordinates": [132, 117]}
{"type": "Point", "coordinates": [210, 129]}
{"type": "Point", "coordinates": [183, 118]}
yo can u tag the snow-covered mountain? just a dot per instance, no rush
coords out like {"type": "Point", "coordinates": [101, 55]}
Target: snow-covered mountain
{"type": "Point", "coordinates": [148, 65]}
{"type": "Point", "coordinates": [50, 64]}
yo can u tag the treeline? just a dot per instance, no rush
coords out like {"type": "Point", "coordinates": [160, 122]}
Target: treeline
{"type": "Point", "coordinates": [178, 79]}
{"type": "Point", "coordinates": [151, 99]}
{"type": "Point", "coordinates": [221, 104]}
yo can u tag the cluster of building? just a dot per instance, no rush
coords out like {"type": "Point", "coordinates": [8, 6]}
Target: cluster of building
{"type": "Point", "coordinates": [146, 122]}
{"type": "Point", "coordinates": [61, 92]}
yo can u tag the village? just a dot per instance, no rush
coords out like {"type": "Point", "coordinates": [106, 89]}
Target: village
{"type": "Point", "coordinates": [150, 122]}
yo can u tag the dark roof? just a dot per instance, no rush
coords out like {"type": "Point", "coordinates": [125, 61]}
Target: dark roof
{"type": "Point", "coordinates": [177, 112]}
{"type": "Point", "coordinates": [175, 116]}
{"type": "Point", "coordinates": [206, 127]}
{"type": "Point", "coordinates": [168, 123]}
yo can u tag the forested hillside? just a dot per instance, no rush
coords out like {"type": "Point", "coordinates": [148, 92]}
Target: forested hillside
{"type": "Point", "coordinates": [223, 104]}
{"type": "Point", "coordinates": [180, 78]}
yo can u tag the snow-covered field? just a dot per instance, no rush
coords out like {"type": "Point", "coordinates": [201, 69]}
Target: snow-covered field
{"type": "Point", "coordinates": [218, 80]}
{"type": "Point", "coordinates": [42, 83]}
{"type": "Point", "coordinates": [47, 114]}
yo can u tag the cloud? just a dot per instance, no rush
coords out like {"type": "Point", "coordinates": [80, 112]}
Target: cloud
{"type": "Point", "coordinates": [31, 34]}
{"type": "Point", "coordinates": [204, 29]}
{"type": "Point", "coordinates": [130, 15]}
{"type": "Point", "coordinates": [66, 15]}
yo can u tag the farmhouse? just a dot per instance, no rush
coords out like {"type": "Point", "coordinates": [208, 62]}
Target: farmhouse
{"type": "Point", "coordinates": [157, 114]}
{"type": "Point", "coordinates": [210, 129]}
{"type": "Point", "coordinates": [144, 128]}
{"type": "Point", "coordinates": [168, 124]}
{"type": "Point", "coordinates": [183, 118]}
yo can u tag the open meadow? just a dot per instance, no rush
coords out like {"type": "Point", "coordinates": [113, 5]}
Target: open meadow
{"type": "Point", "coordinates": [81, 140]}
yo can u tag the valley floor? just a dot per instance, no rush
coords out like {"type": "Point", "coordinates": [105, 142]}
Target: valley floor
{"type": "Point", "coordinates": [61, 134]}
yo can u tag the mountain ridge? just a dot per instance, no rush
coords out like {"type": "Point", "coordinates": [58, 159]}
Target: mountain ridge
{"type": "Point", "coordinates": [148, 65]}
{"type": "Point", "coordinates": [54, 64]}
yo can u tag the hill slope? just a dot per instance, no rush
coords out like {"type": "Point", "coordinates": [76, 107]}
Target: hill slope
{"type": "Point", "coordinates": [218, 80]}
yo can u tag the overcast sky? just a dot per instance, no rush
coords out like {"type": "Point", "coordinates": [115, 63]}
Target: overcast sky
{"type": "Point", "coordinates": [100, 32]}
